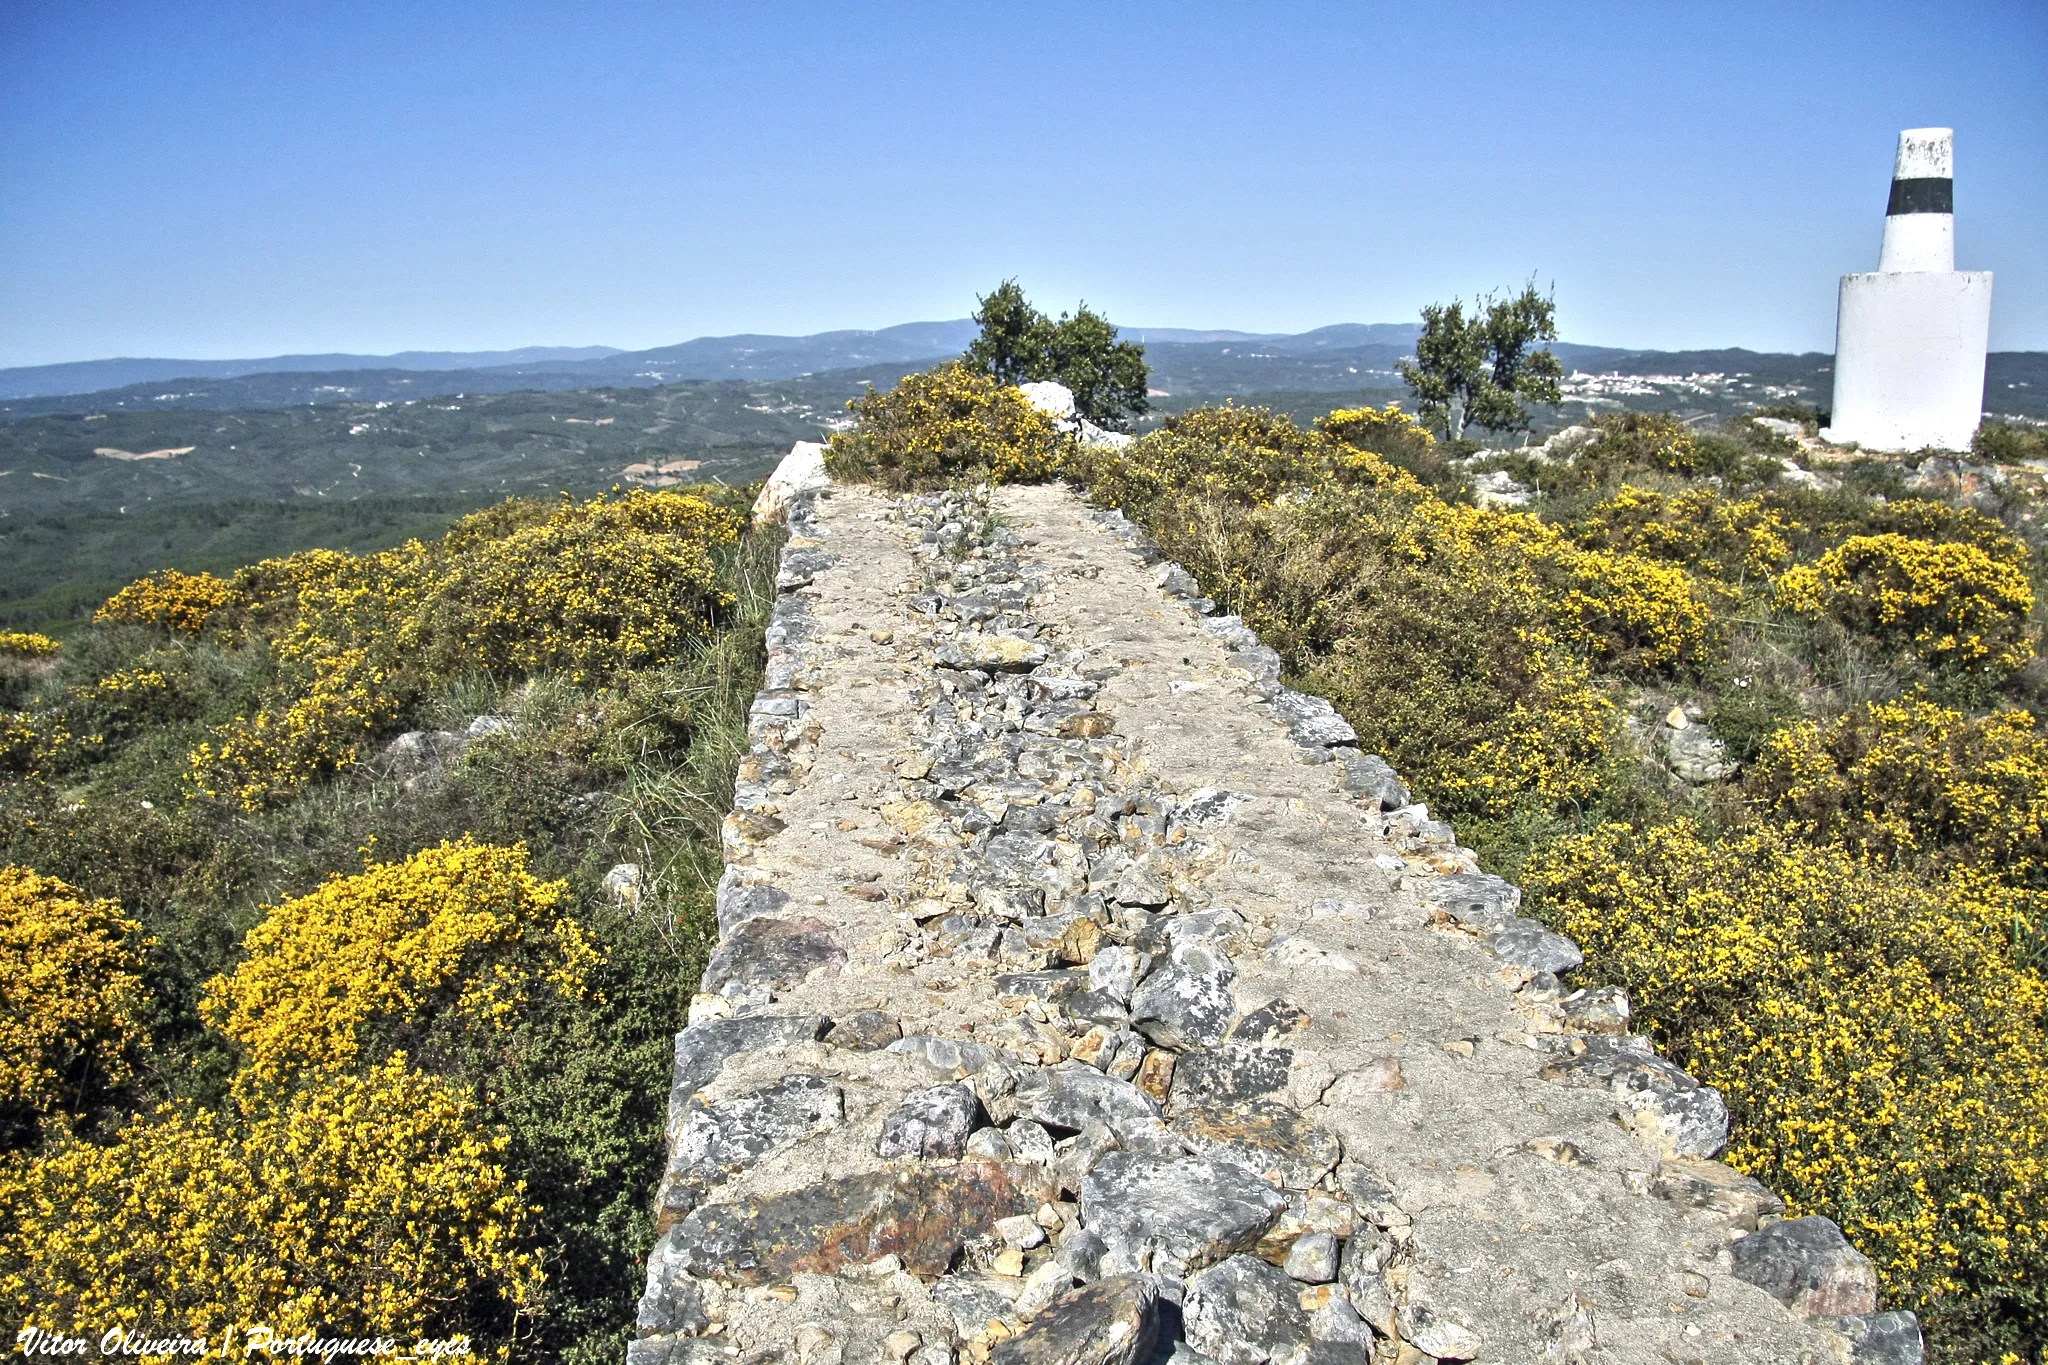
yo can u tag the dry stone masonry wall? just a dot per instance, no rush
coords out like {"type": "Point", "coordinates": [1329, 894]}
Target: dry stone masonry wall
{"type": "Point", "coordinates": [1084, 995]}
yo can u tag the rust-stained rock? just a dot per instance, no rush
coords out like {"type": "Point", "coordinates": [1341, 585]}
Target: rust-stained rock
{"type": "Point", "coordinates": [922, 1215]}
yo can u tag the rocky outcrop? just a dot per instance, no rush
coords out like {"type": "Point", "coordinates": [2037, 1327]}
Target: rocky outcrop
{"type": "Point", "coordinates": [1085, 995]}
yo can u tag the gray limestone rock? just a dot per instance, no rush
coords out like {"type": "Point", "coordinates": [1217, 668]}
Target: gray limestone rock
{"type": "Point", "coordinates": [1313, 1258]}
{"type": "Point", "coordinates": [1534, 948]}
{"type": "Point", "coordinates": [971, 1302]}
{"type": "Point", "coordinates": [1010, 902]}
{"type": "Point", "coordinates": [1031, 1142]}
{"type": "Point", "coordinates": [1366, 1253]}
{"type": "Point", "coordinates": [1311, 721]}
{"type": "Point", "coordinates": [1371, 775]}
{"type": "Point", "coordinates": [1209, 805]}
{"type": "Point", "coordinates": [1435, 1334]}
{"type": "Point", "coordinates": [1114, 972]}
{"type": "Point", "coordinates": [935, 1121]}
{"type": "Point", "coordinates": [1244, 1312]}
{"type": "Point", "coordinates": [1080, 1254]}
{"type": "Point", "coordinates": [1664, 1106]}
{"type": "Point", "coordinates": [703, 1049]}
{"type": "Point", "coordinates": [921, 1214]}
{"type": "Point", "coordinates": [947, 1056]}
{"type": "Point", "coordinates": [766, 954]}
{"type": "Point", "coordinates": [1112, 1321]}
{"type": "Point", "coordinates": [1174, 1214]}
{"type": "Point", "coordinates": [1271, 1140]}
{"type": "Point", "coordinates": [1883, 1339]}
{"type": "Point", "coordinates": [718, 1140]}
{"type": "Point", "coordinates": [1271, 1022]}
{"type": "Point", "coordinates": [1741, 1199]}
{"type": "Point", "coordinates": [989, 1144]}
{"type": "Point", "coordinates": [1807, 1265]}
{"type": "Point", "coordinates": [1073, 1096]}
{"type": "Point", "coordinates": [1479, 899]}
{"type": "Point", "coordinates": [1600, 1010]}
{"type": "Point", "coordinates": [1137, 885]}
{"type": "Point", "coordinates": [1052, 987]}
{"type": "Point", "coordinates": [1680, 1123]}
{"type": "Point", "coordinates": [740, 901]}
{"type": "Point", "coordinates": [672, 1302]}
{"type": "Point", "coordinates": [1186, 1001]}
{"type": "Point", "coordinates": [1697, 757]}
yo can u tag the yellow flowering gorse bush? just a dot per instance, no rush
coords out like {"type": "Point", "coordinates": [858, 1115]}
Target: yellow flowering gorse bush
{"type": "Point", "coordinates": [593, 588]}
{"type": "Point", "coordinates": [373, 1203]}
{"type": "Point", "coordinates": [1730, 541]}
{"type": "Point", "coordinates": [71, 997]}
{"type": "Point", "coordinates": [27, 644]}
{"type": "Point", "coordinates": [463, 929]}
{"type": "Point", "coordinates": [1953, 605]}
{"type": "Point", "coordinates": [946, 425]}
{"type": "Point", "coordinates": [181, 603]}
{"type": "Point", "coordinates": [1884, 1057]}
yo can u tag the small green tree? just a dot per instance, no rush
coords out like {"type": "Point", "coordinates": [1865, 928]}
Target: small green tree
{"type": "Point", "coordinates": [1478, 370]}
{"type": "Point", "coordinates": [1014, 339]}
{"type": "Point", "coordinates": [1018, 344]}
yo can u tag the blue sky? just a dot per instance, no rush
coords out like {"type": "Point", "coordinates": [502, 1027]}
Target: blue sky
{"type": "Point", "coordinates": [229, 179]}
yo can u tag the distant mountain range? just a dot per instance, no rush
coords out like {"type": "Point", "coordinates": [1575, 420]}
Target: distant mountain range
{"type": "Point", "coordinates": [1346, 358]}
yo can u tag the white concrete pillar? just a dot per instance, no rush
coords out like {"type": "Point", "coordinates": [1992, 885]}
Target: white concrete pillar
{"type": "Point", "coordinates": [1920, 220]}
{"type": "Point", "coordinates": [1910, 339]}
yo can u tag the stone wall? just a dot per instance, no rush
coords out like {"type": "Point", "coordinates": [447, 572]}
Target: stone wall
{"type": "Point", "coordinates": [1084, 995]}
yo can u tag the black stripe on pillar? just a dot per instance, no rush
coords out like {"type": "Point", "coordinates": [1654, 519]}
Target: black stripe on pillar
{"type": "Point", "coordinates": [1928, 195]}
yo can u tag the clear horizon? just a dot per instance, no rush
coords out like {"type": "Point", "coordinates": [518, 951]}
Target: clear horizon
{"type": "Point", "coordinates": [234, 181]}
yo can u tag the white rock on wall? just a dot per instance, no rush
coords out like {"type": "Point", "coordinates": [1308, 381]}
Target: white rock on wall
{"type": "Point", "coordinates": [800, 471]}
{"type": "Point", "coordinates": [1056, 401]}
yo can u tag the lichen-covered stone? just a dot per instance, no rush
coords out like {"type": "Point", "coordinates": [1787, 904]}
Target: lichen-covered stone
{"type": "Point", "coordinates": [865, 1031]}
{"type": "Point", "coordinates": [933, 1122]}
{"type": "Point", "coordinates": [1709, 1185]}
{"type": "Point", "coordinates": [1883, 1339]}
{"type": "Point", "coordinates": [1370, 775]}
{"type": "Point", "coordinates": [1438, 1334]}
{"type": "Point", "coordinates": [1172, 1215]}
{"type": "Point", "coordinates": [1074, 1096]}
{"type": "Point", "coordinates": [1534, 948]}
{"type": "Point", "coordinates": [1272, 1140]}
{"type": "Point", "coordinates": [1186, 1001]}
{"type": "Point", "coordinates": [1313, 1258]}
{"type": "Point", "coordinates": [702, 1050]}
{"type": "Point", "coordinates": [739, 900]}
{"type": "Point", "coordinates": [1230, 1073]}
{"type": "Point", "coordinates": [717, 1140]}
{"type": "Point", "coordinates": [1479, 899]}
{"type": "Point", "coordinates": [672, 1302]}
{"type": "Point", "coordinates": [1244, 1312]}
{"type": "Point", "coordinates": [1271, 1022]}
